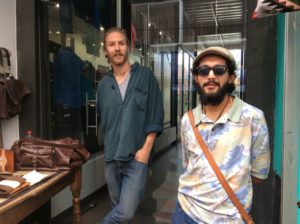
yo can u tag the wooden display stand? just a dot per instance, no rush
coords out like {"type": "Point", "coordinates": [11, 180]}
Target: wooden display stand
{"type": "Point", "coordinates": [19, 206]}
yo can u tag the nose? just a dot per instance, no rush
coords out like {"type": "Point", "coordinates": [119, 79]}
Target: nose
{"type": "Point", "coordinates": [117, 47]}
{"type": "Point", "coordinates": [211, 74]}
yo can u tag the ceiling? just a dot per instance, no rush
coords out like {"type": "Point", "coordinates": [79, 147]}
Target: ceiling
{"type": "Point", "coordinates": [190, 23]}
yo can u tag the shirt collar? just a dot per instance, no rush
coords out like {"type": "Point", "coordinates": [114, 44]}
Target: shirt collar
{"type": "Point", "coordinates": [233, 114]}
{"type": "Point", "coordinates": [132, 68]}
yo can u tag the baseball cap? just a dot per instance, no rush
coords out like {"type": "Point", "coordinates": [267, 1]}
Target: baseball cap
{"type": "Point", "coordinates": [215, 50]}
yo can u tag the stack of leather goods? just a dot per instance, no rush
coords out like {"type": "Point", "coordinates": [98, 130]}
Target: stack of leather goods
{"type": "Point", "coordinates": [10, 185]}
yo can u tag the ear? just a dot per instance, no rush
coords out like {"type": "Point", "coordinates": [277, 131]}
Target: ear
{"type": "Point", "coordinates": [232, 78]}
{"type": "Point", "coordinates": [195, 79]}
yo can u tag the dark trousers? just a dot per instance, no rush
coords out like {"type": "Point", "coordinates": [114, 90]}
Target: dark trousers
{"type": "Point", "coordinates": [67, 122]}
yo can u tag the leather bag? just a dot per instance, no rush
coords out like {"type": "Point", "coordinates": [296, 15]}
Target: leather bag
{"type": "Point", "coordinates": [11, 90]}
{"type": "Point", "coordinates": [49, 155]}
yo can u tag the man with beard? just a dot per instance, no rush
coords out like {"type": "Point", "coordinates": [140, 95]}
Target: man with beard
{"type": "Point", "coordinates": [130, 106]}
{"type": "Point", "coordinates": [236, 135]}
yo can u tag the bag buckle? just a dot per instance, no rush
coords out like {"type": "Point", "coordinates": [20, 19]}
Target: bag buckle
{"type": "Point", "coordinates": [34, 161]}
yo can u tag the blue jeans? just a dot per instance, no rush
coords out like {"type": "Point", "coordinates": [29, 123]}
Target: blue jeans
{"type": "Point", "coordinates": [126, 182]}
{"type": "Point", "coordinates": [180, 217]}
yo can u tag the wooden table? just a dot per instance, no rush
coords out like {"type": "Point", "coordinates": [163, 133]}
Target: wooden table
{"type": "Point", "coordinates": [19, 206]}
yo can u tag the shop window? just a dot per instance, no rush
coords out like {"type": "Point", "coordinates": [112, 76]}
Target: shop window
{"type": "Point", "coordinates": [185, 28]}
{"type": "Point", "coordinates": [76, 65]}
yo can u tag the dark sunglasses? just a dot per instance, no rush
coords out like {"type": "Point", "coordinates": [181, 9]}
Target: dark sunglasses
{"type": "Point", "coordinates": [218, 70]}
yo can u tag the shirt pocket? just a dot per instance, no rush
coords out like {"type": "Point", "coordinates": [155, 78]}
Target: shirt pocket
{"type": "Point", "coordinates": [140, 99]}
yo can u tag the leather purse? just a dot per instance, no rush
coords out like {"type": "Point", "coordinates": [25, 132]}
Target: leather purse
{"type": "Point", "coordinates": [247, 218]}
{"type": "Point", "coordinates": [49, 155]}
{"type": "Point", "coordinates": [11, 90]}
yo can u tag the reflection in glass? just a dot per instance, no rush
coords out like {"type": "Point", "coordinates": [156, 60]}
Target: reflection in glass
{"type": "Point", "coordinates": [76, 64]}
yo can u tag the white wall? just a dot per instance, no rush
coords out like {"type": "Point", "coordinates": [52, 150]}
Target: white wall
{"type": "Point", "coordinates": [8, 39]}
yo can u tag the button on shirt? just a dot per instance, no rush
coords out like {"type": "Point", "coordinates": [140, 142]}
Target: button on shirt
{"type": "Point", "coordinates": [239, 143]}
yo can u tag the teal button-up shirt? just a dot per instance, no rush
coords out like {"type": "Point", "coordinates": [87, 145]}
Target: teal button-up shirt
{"type": "Point", "coordinates": [126, 123]}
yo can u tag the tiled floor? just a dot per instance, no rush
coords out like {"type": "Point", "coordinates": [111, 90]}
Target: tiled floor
{"type": "Point", "coordinates": [159, 200]}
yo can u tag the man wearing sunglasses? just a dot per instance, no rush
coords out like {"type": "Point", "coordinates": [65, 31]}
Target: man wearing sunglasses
{"type": "Point", "coordinates": [236, 135]}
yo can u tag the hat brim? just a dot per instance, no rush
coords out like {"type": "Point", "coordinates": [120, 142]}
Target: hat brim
{"type": "Point", "coordinates": [217, 51]}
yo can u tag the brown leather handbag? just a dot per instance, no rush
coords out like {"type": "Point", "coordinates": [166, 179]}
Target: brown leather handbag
{"type": "Point", "coordinates": [49, 155]}
{"type": "Point", "coordinates": [11, 90]}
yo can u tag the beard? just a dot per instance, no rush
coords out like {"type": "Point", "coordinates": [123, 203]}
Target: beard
{"type": "Point", "coordinates": [213, 99]}
{"type": "Point", "coordinates": [118, 58]}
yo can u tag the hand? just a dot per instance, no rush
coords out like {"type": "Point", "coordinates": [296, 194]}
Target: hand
{"type": "Point", "coordinates": [142, 156]}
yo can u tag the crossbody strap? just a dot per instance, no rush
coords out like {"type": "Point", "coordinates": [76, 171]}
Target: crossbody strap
{"type": "Point", "coordinates": [247, 218]}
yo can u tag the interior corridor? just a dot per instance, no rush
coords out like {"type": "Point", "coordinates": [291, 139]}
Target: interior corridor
{"type": "Point", "coordinates": [159, 200]}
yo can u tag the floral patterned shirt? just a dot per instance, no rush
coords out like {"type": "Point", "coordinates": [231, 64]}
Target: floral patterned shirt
{"type": "Point", "coordinates": [239, 143]}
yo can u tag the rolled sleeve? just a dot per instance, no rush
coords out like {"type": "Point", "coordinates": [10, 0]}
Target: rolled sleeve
{"type": "Point", "coordinates": [155, 113]}
{"type": "Point", "coordinates": [260, 153]}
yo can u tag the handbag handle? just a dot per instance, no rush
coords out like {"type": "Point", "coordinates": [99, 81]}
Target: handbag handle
{"type": "Point", "coordinates": [247, 218]}
{"type": "Point", "coordinates": [53, 144]}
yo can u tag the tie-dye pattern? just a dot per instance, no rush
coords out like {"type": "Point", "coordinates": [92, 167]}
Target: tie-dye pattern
{"type": "Point", "coordinates": [239, 143]}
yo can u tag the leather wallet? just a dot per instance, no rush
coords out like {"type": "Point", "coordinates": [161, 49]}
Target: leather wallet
{"type": "Point", "coordinates": [10, 185]}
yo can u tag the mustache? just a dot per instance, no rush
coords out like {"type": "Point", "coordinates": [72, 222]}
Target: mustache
{"type": "Point", "coordinates": [211, 82]}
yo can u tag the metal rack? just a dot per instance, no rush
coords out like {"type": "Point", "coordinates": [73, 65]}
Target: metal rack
{"type": "Point", "coordinates": [90, 104]}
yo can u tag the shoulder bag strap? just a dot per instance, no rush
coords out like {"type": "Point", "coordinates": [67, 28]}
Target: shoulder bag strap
{"type": "Point", "coordinates": [247, 218]}
{"type": "Point", "coordinates": [53, 143]}
{"type": "Point", "coordinates": [7, 56]}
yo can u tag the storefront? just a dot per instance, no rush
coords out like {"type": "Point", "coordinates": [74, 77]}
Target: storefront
{"type": "Point", "coordinates": [57, 51]}
{"type": "Point", "coordinates": [165, 35]}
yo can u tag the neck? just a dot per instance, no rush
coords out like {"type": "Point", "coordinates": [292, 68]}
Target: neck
{"type": "Point", "coordinates": [214, 112]}
{"type": "Point", "coordinates": [121, 71]}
